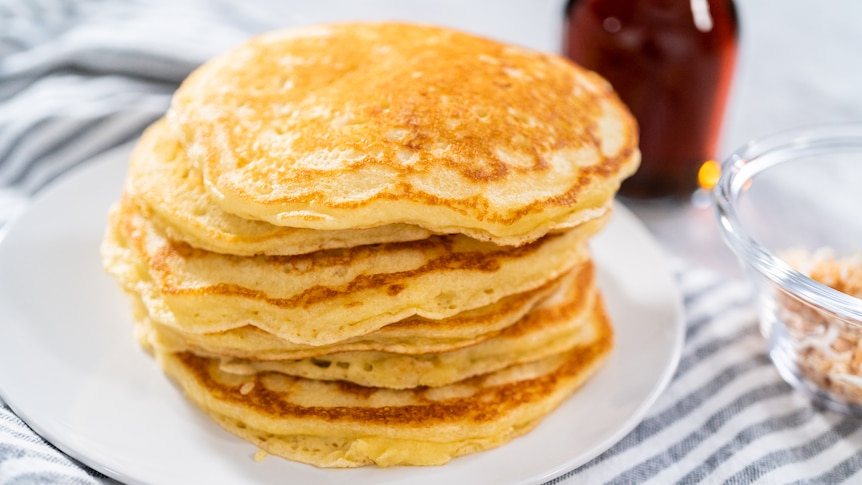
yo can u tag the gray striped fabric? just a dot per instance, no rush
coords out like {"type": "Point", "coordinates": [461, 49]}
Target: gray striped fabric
{"type": "Point", "coordinates": [80, 77]}
{"type": "Point", "coordinates": [727, 417]}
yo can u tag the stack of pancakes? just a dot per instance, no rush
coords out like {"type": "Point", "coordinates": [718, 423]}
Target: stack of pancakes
{"type": "Point", "coordinates": [367, 243]}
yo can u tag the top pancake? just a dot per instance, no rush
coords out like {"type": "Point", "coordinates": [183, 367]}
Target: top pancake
{"type": "Point", "coordinates": [361, 125]}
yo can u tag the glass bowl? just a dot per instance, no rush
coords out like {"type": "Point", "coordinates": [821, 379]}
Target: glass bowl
{"type": "Point", "coordinates": [790, 208]}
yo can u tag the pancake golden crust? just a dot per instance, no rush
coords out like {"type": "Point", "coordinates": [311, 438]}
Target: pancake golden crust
{"type": "Point", "coordinates": [558, 324]}
{"type": "Point", "coordinates": [327, 296]}
{"type": "Point", "coordinates": [336, 424]}
{"type": "Point", "coordinates": [413, 335]}
{"type": "Point", "coordinates": [359, 125]}
{"type": "Point", "coordinates": [163, 183]}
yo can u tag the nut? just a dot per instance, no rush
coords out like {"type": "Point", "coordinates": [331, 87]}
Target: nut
{"type": "Point", "coordinates": [828, 348]}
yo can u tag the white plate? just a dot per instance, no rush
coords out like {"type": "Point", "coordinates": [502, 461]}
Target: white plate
{"type": "Point", "coordinates": [70, 367]}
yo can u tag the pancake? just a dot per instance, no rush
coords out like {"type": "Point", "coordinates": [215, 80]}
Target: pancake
{"type": "Point", "coordinates": [332, 295]}
{"type": "Point", "coordinates": [360, 125]}
{"type": "Point", "coordinates": [558, 324]}
{"type": "Point", "coordinates": [414, 335]}
{"type": "Point", "coordinates": [171, 191]}
{"type": "Point", "coordinates": [338, 424]}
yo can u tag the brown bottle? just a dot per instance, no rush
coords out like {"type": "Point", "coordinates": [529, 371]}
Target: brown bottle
{"type": "Point", "coordinates": [671, 61]}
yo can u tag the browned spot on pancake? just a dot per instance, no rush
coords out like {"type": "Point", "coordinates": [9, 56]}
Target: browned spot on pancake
{"type": "Point", "coordinates": [355, 389]}
{"type": "Point", "coordinates": [393, 290]}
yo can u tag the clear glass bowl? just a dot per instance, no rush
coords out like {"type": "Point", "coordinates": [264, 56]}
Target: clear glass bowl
{"type": "Point", "coordinates": [790, 207]}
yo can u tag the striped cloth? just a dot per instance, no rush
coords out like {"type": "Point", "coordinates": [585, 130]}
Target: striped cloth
{"type": "Point", "coordinates": [77, 78]}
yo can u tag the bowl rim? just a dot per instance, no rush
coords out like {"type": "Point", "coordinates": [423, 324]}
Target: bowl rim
{"type": "Point", "coordinates": [755, 157]}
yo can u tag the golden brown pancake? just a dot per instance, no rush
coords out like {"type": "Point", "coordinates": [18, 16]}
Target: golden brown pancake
{"type": "Point", "coordinates": [338, 424]}
{"type": "Point", "coordinates": [558, 324]}
{"type": "Point", "coordinates": [360, 125]}
{"type": "Point", "coordinates": [332, 295]}
{"type": "Point", "coordinates": [171, 191]}
{"type": "Point", "coordinates": [413, 335]}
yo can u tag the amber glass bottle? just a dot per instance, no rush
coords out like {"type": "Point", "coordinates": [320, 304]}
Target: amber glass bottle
{"type": "Point", "coordinates": [671, 61]}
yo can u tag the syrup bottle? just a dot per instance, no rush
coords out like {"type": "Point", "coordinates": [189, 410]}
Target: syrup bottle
{"type": "Point", "coordinates": [671, 62]}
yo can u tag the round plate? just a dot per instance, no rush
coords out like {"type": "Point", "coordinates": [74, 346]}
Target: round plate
{"type": "Point", "coordinates": [71, 368]}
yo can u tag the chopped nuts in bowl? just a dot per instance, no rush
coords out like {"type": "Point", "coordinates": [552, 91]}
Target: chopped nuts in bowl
{"type": "Point", "coordinates": [790, 207]}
